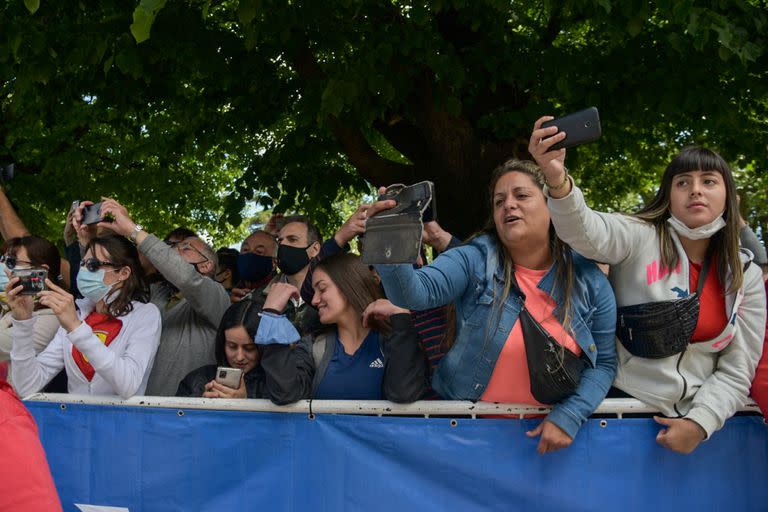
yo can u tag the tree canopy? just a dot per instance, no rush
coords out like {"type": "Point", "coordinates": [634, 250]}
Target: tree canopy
{"type": "Point", "coordinates": [187, 110]}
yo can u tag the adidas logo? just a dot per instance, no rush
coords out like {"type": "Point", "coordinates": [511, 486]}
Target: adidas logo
{"type": "Point", "coordinates": [376, 364]}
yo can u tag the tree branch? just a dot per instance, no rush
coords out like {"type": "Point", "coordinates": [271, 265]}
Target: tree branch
{"type": "Point", "coordinates": [372, 166]}
{"type": "Point", "coordinates": [405, 138]}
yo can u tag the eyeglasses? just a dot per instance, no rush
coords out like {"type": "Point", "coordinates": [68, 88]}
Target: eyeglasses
{"type": "Point", "coordinates": [92, 264]}
{"type": "Point", "coordinates": [11, 261]}
{"type": "Point", "coordinates": [186, 246]}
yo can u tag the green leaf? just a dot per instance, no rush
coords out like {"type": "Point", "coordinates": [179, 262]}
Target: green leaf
{"type": "Point", "coordinates": [32, 5]}
{"type": "Point", "coordinates": [143, 18]}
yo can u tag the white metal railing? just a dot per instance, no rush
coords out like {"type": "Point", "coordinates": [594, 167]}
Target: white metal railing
{"type": "Point", "coordinates": [426, 408]}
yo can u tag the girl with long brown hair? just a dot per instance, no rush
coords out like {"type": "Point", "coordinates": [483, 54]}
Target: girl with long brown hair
{"type": "Point", "coordinates": [368, 348]}
{"type": "Point", "coordinates": [691, 314]}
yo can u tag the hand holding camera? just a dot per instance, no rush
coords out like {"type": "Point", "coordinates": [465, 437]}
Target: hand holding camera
{"type": "Point", "coordinates": [84, 232]}
{"type": "Point", "coordinates": [62, 303]}
{"type": "Point", "coordinates": [119, 220]}
{"type": "Point", "coordinates": [21, 304]}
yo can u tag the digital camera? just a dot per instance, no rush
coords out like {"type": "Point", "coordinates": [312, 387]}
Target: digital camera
{"type": "Point", "coordinates": [32, 279]}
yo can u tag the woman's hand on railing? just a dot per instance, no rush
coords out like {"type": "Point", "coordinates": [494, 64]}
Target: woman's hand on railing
{"type": "Point", "coordinates": [681, 435]}
{"type": "Point", "coordinates": [552, 439]}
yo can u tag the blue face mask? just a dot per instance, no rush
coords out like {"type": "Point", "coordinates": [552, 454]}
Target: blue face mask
{"type": "Point", "coordinates": [3, 278]}
{"type": "Point", "coordinates": [253, 267]}
{"type": "Point", "coordinates": [91, 284]}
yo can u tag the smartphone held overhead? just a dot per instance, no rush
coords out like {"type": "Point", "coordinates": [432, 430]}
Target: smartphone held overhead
{"type": "Point", "coordinates": [92, 214]}
{"type": "Point", "coordinates": [580, 128]}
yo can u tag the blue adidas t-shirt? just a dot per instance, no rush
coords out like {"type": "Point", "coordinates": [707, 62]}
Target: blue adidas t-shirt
{"type": "Point", "coordinates": [354, 377]}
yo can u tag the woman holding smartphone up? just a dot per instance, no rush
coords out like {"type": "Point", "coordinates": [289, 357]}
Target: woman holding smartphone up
{"type": "Point", "coordinates": [691, 315]}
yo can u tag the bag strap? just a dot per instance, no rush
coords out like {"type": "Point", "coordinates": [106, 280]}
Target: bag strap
{"type": "Point", "coordinates": [703, 275]}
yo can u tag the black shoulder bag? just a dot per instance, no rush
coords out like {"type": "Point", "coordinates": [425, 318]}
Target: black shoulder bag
{"type": "Point", "coordinates": [660, 329]}
{"type": "Point", "coordinates": [554, 371]}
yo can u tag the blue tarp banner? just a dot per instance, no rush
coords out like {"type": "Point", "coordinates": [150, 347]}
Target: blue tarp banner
{"type": "Point", "coordinates": [147, 459]}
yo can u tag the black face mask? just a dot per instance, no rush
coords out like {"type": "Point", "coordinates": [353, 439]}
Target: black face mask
{"type": "Point", "coordinates": [291, 260]}
{"type": "Point", "coordinates": [253, 267]}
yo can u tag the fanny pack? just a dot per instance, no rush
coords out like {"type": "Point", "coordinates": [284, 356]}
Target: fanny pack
{"type": "Point", "coordinates": [655, 330]}
{"type": "Point", "coordinates": [554, 371]}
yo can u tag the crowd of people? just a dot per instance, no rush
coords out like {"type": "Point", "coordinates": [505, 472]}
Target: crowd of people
{"type": "Point", "coordinates": [521, 312]}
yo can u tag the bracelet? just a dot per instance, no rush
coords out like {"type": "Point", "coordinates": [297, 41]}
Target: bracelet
{"type": "Point", "coordinates": [559, 185]}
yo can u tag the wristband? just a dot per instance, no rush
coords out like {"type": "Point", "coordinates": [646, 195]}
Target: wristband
{"type": "Point", "coordinates": [559, 185]}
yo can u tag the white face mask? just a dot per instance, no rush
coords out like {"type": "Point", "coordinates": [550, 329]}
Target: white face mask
{"type": "Point", "coordinates": [700, 233]}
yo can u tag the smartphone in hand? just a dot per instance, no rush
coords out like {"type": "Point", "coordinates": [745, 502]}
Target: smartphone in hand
{"type": "Point", "coordinates": [92, 214]}
{"type": "Point", "coordinates": [229, 377]}
{"type": "Point", "coordinates": [580, 127]}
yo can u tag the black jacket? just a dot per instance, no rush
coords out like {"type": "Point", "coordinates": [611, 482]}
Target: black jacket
{"type": "Point", "coordinates": [283, 375]}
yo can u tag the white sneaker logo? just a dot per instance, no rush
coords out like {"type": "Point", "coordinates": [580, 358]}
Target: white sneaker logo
{"type": "Point", "coordinates": [377, 363]}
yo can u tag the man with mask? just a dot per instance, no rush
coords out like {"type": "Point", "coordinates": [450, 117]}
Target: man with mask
{"type": "Point", "coordinates": [298, 242]}
{"type": "Point", "coordinates": [192, 314]}
{"type": "Point", "coordinates": [255, 264]}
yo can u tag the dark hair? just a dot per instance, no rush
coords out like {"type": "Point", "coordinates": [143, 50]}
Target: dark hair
{"type": "Point", "coordinates": [313, 234]}
{"type": "Point", "coordinates": [240, 314]}
{"type": "Point", "coordinates": [123, 254]}
{"type": "Point", "coordinates": [228, 261]}
{"type": "Point", "coordinates": [724, 245]}
{"type": "Point", "coordinates": [561, 252]}
{"type": "Point", "coordinates": [180, 233]}
{"type": "Point", "coordinates": [40, 252]}
{"type": "Point", "coordinates": [355, 281]}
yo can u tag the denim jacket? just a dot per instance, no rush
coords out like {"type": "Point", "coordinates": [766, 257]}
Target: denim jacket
{"type": "Point", "coordinates": [471, 276]}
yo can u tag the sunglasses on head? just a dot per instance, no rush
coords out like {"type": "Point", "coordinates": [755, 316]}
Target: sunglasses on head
{"type": "Point", "coordinates": [11, 261]}
{"type": "Point", "coordinates": [92, 264]}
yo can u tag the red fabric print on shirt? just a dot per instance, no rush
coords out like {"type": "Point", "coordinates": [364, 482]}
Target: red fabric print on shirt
{"type": "Point", "coordinates": [106, 328]}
